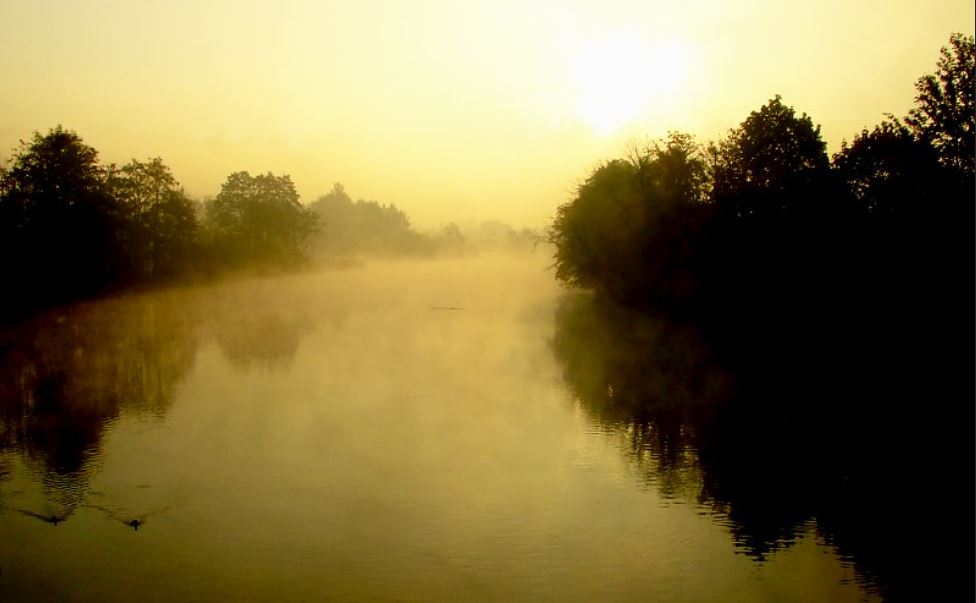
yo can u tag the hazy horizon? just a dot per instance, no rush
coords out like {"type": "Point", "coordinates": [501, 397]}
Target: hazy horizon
{"type": "Point", "coordinates": [454, 114]}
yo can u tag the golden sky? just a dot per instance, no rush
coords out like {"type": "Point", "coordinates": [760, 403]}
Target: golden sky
{"type": "Point", "coordinates": [453, 110]}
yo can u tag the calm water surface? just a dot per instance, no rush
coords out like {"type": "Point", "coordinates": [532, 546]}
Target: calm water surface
{"type": "Point", "coordinates": [421, 431]}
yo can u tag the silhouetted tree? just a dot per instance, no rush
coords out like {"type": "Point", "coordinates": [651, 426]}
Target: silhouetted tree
{"type": "Point", "coordinates": [161, 220]}
{"type": "Point", "coordinates": [673, 173]}
{"type": "Point", "coordinates": [587, 231]}
{"type": "Point", "coordinates": [816, 298]}
{"type": "Point", "coordinates": [60, 224]}
{"type": "Point", "coordinates": [912, 259]}
{"type": "Point", "coordinates": [890, 172]}
{"type": "Point", "coordinates": [945, 111]}
{"type": "Point", "coordinates": [626, 233]}
{"type": "Point", "coordinates": [773, 164]}
{"type": "Point", "coordinates": [260, 219]}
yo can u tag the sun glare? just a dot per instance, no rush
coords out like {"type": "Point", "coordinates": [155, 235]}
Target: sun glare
{"type": "Point", "coordinates": [618, 79]}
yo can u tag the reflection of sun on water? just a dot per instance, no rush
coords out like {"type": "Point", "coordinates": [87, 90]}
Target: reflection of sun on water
{"type": "Point", "coordinates": [620, 78]}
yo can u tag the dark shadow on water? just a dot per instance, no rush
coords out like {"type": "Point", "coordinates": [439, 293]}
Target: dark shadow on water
{"type": "Point", "coordinates": [865, 440]}
{"type": "Point", "coordinates": [67, 375]}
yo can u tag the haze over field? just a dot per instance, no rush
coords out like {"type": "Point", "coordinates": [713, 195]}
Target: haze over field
{"type": "Point", "coordinates": [456, 112]}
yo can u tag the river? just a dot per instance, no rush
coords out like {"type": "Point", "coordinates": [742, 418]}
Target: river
{"type": "Point", "coordinates": [392, 431]}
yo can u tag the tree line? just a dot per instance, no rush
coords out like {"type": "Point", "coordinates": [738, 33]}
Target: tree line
{"type": "Point", "coordinates": [802, 323]}
{"type": "Point", "coordinates": [71, 227]}
{"type": "Point", "coordinates": [763, 227]}
{"type": "Point", "coordinates": [369, 227]}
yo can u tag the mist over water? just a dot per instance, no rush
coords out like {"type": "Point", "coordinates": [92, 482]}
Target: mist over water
{"type": "Point", "coordinates": [407, 430]}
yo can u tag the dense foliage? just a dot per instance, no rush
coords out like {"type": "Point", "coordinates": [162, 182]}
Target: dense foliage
{"type": "Point", "coordinates": [70, 227]}
{"type": "Point", "coordinates": [763, 226]}
{"type": "Point", "coordinates": [259, 219]}
{"type": "Point", "coordinates": [625, 234]}
{"type": "Point", "coordinates": [787, 343]}
{"type": "Point", "coordinates": [943, 115]}
{"type": "Point", "coordinates": [162, 226]}
{"type": "Point", "coordinates": [61, 228]}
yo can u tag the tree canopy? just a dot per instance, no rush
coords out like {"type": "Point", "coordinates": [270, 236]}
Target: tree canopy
{"type": "Point", "coordinates": [162, 223]}
{"type": "Point", "coordinates": [834, 294]}
{"type": "Point", "coordinates": [764, 228]}
{"type": "Point", "coordinates": [260, 219]}
{"type": "Point", "coordinates": [362, 226]}
{"type": "Point", "coordinates": [622, 232]}
{"type": "Point", "coordinates": [773, 163]}
{"type": "Point", "coordinates": [889, 171]}
{"type": "Point", "coordinates": [945, 111]}
{"type": "Point", "coordinates": [60, 225]}
{"type": "Point", "coordinates": [71, 227]}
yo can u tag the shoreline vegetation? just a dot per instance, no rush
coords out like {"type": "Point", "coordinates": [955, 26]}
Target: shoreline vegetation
{"type": "Point", "coordinates": [678, 226]}
{"type": "Point", "coordinates": [762, 234]}
{"type": "Point", "coordinates": [755, 295]}
{"type": "Point", "coordinates": [74, 229]}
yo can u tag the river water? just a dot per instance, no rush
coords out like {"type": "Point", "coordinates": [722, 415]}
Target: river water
{"type": "Point", "coordinates": [393, 431]}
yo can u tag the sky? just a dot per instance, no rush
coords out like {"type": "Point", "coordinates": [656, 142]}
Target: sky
{"type": "Point", "coordinates": [460, 111]}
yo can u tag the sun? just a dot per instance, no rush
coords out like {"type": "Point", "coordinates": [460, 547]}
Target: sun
{"type": "Point", "coordinates": [620, 78]}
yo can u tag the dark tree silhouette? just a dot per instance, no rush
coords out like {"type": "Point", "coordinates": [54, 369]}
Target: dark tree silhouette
{"type": "Point", "coordinates": [773, 164]}
{"type": "Point", "coordinates": [888, 170]}
{"type": "Point", "coordinates": [59, 224]}
{"type": "Point", "coordinates": [161, 222]}
{"type": "Point", "coordinates": [833, 305]}
{"type": "Point", "coordinates": [945, 111]}
{"type": "Point", "coordinates": [70, 228]}
{"type": "Point", "coordinates": [588, 230]}
{"type": "Point", "coordinates": [626, 232]}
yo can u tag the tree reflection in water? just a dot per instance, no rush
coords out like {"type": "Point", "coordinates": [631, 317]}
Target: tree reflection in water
{"type": "Point", "coordinates": [68, 374]}
{"type": "Point", "coordinates": [774, 435]}
{"type": "Point", "coordinates": [253, 329]}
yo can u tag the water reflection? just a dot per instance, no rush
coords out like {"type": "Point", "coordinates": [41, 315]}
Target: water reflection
{"type": "Point", "coordinates": [254, 328]}
{"type": "Point", "coordinates": [161, 403]}
{"type": "Point", "coordinates": [133, 522]}
{"type": "Point", "coordinates": [783, 438]}
{"type": "Point", "coordinates": [66, 375]}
